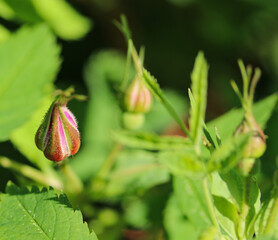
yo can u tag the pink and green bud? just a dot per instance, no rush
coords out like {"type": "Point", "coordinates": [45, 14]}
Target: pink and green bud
{"type": "Point", "coordinates": [256, 145]}
{"type": "Point", "coordinates": [58, 136]}
{"type": "Point", "coordinates": [138, 98]}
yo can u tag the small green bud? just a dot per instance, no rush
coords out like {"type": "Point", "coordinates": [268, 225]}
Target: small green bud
{"type": "Point", "coordinates": [256, 145]}
{"type": "Point", "coordinates": [138, 98]}
{"type": "Point", "coordinates": [133, 121]}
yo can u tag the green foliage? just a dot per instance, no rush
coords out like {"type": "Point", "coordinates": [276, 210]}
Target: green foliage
{"type": "Point", "coordinates": [25, 72]}
{"type": "Point", "coordinates": [228, 154]}
{"type": "Point", "coordinates": [199, 93]}
{"type": "Point", "coordinates": [184, 163]}
{"type": "Point", "coordinates": [178, 226]}
{"type": "Point", "coordinates": [151, 141]}
{"type": "Point", "coordinates": [23, 137]}
{"type": "Point", "coordinates": [135, 171]}
{"type": "Point", "coordinates": [39, 214]}
{"type": "Point", "coordinates": [59, 15]}
{"type": "Point", "coordinates": [156, 90]}
{"type": "Point", "coordinates": [267, 221]}
{"type": "Point", "coordinates": [262, 112]}
{"type": "Point", "coordinates": [103, 70]}
{"type": "Point", "coordinates": [191, 199]}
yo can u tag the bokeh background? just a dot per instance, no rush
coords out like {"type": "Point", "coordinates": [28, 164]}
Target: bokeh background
{"type": "Point", "coordinates": [173, 31]}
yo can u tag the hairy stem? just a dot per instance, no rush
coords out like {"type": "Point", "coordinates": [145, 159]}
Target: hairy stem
{"type": "Point", "coordinates": [31, 173]}
{"type": "Point", "coordinates": [109, 161]}
{"type": "Point", "coordinates": [210, 204]}
{"type": "Point", "coordinates": [74, 184]}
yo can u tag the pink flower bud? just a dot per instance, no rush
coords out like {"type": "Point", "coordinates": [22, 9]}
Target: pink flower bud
{"type": "Point", "coordinates": [138, 98]}
{"type": "Point", "coordinates": [58, 136]}
{"type": "Point", "coordinates": [256, 145]}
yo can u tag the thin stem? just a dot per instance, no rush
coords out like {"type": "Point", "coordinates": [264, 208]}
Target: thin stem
{"type": "Point", "coordinates": [134, 170]}
{"type": "Point", "coordinates": [109, 161]}
{"type": "Point", "coordinates": [127, 66]}
{"type": "Point", "coordinates": [244, 210]}
{"type": "Point", "coordinates": [210, 204]}
{"type": "Point", "coordinates": [142, 54]}
{"type": "Point", "coordinates": [74, 184]}
{"type": "Point", "coordinates": [271, 219]}
{"type": "Point", "coordinates": [31, 173]}
{"type": "Point", "coordinates": [254, 82]}
{"type": "Point", "coordinates": [137, 61]}
{"type": "Point", "coordinates": [245, 80]}
{"type": "Point", "coordinates": [236, 90]}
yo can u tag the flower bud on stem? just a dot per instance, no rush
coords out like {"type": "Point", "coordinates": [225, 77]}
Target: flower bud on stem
{"type": "Point", "coordinates": [58, 136]}
{"type": "Point", "coordinates": [256, 145]}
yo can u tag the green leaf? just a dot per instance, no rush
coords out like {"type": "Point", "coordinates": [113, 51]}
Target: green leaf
{"type": "Point", "coordinates": [267, 214]}
{"type": "Point", "coordinates": [62, 18]}
{"type": "Point", "coordinates": [246, 195]}
{"type": "Point", "coordinates": [103, 113]}
{"type": "Point", "coordinates": [4, 34]}
{"type": "Point", "coordinates": [23, 11]}
{"type": "Point", "coordinates": [228, 154]}
{"type": "Point", "coordinates": [226, 208]}
{"type": "Point", "coordinates": [24, 140]}
{"type": "Point", "coordinates": [135, 171]}
{"type": "Point", "coordinates": [66, 22]}
{"type": "Point", "coordinates": [262, 111]}
{"type": "Point", "coordinates": [176, 224]}
{"type": "Point", "coordinates": [25, 71]}
{"type": "Point", "coordinates": [199, 92]}
{"type": "Point", "coordinates": [266, 238]}
{"type": "Point", "coordinates": [191, 199]}
{"type": "Point", "coordinates": [39, 214]}
{"type": "Point", "coordinates": [184, 163]}
{"type": "Point", "coordinates": [151, 141]}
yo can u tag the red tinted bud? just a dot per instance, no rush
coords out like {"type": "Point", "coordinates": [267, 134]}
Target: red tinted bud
{"type": "Point", "coordinates": [138, 98]}
{"type": "Point", "coordinates": [256, 145]}
{"type": "Point", "coordinates": [58, 136]}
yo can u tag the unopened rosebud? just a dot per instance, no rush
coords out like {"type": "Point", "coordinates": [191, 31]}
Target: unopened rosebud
{"type": "Point", "coordinates": [256, 145]}
{"type": "Point", "coordinates": [138, 98]}
{"type": "Point", "coordinates": [58, 136]}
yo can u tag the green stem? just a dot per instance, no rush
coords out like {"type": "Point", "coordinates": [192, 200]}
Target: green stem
{"type": "Point", "coordinates": [109, 161]}
{"type": "Point", "coordinates": [127, 66]}
{"type": "Point", "coordinates": [244, 210]}
{"type": "Point", "coordinates": [271, 219]}
{"type": "Point", "coordinates": [210, 204]}
{"type": "Point", "coordinates": [137, 61]}
{"type": "Point", "coordinates": [31, 173]}
{"type": "Point", "coordinates": [73, 184]}
{"type": "Point", "coordinates": [134, 170]}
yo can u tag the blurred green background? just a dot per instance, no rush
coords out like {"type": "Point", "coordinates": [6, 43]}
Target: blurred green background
{"type": "Point", "coordinates": [173, 31]}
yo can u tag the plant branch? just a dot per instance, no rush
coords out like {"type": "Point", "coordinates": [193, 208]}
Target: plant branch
{"type": "Point", "coordinates": [109, 161]}
{"type": "Point", "coordinates": [31, 173]}
{"type": "Point", "coordinates": [210, 204]}
{"type": "Point", "coordinates": [74, 184]}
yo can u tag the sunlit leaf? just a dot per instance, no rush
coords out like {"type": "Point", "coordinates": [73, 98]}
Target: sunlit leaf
{"type": "Point", "coordinates": [25, 71]}
{"type": "Point", "coordinates": [199, 92]}
{"type": "Point", "coordinates": [177, 225]}
{"type": "Point", "coordinates": [228, 154]}
{"type": "Point", "coordinates": [151, 141]}
{"type": "Point", "coordinates": [39, 214]}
